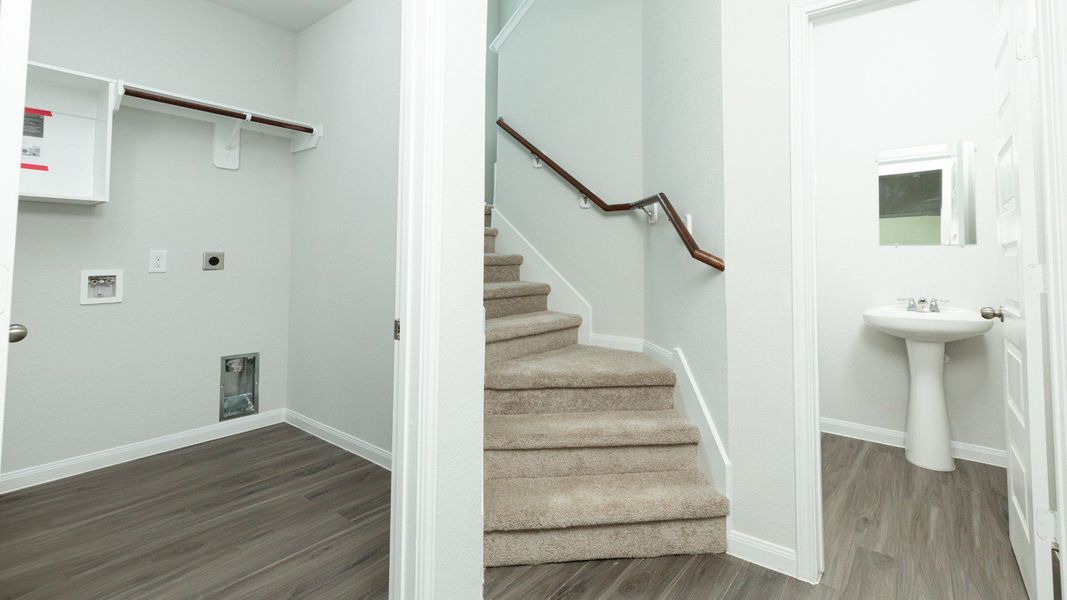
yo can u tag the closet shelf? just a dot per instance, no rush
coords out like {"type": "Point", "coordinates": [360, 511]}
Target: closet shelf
{"type": "Point", "coordinates": [66, 144]}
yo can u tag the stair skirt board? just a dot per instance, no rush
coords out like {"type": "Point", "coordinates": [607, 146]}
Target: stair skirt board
{"type": "Point", "coordinates": [585, 456]}
{"type": "Point", "coordinates": [630, 540]}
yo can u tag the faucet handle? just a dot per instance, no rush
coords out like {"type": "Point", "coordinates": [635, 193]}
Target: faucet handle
{"type": "Point", "coordinates": [935, 304]}
{"type": "Point", "coordinates": [909, 300]}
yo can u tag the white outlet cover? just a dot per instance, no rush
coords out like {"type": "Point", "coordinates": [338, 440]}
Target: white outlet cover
{"type": "Point", "coordinates": [157, 261]}
{"type": "Point", "coordinates": [83, 286]}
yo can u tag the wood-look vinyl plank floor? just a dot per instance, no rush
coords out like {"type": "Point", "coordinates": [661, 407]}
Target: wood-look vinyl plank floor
{"type": "Point", "coordinates": [274, 513]}
{"type": "Point", "coordinates": [893, 531]}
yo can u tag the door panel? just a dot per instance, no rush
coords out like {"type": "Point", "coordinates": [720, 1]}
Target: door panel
{"type": "Point", "coordinates": [1019, 236]}
{"type": "Point", "coordinates": [14, 41]}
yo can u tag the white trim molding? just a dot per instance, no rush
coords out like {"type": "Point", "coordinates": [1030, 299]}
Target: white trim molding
{"type": "Point", "coordinates": [509, 27]}
{"type": "Point", "coordinates": [331, 435]}
{"type": "Point", "coordinates": [77, 465]}
{"type": "Point", "coordinates": [895, 438]}
{"type": "Point", "coordinates": [803, 17]}
{"type": "Point", "coordinates": [761, 552]}
{"type": "Point", "coordinates": [564, 297]}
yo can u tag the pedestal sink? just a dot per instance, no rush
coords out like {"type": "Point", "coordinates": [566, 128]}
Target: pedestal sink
{"type": "Point", "coordinates": [928, 442]}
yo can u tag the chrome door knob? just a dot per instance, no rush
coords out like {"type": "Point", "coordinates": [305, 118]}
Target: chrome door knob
{"type": "Point", "coordinates": [16, 333]}
{"type": "Point", "coordinates": [988, 312]}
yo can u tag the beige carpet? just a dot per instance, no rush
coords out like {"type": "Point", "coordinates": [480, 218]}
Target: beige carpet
{"type": "Point", "coordinates": [585, 456]}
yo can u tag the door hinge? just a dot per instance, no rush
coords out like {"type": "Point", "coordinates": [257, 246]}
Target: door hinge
{"type": "Point", "coordinates": [1026, 45]}
{"type": "Point", "coordinates": [1046, 525]}
{"type": "Point", "coordinates": [1034, 280]}
{"type": "Point", "coordinates": [396, 330]}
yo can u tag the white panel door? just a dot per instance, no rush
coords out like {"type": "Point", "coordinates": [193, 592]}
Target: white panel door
{"type": "Point", "coordinates": [1019, 235]}
{"type": "Point", "coordinates": [14, 41]}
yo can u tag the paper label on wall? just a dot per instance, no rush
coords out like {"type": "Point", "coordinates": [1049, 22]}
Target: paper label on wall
{"type": "Point", "coordinates": [33, 139]}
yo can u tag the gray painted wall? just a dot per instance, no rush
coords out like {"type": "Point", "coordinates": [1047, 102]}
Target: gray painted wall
{"type": "Point", "coordinates": [344, 222]}
{"type": "Point", "coordinates": [94, 377]}
{"type": "Point", "coordinates": [685, 301]}
{"type": "Point", "coordinates": [580, 102]}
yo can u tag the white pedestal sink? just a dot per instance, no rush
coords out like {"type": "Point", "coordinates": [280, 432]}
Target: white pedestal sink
{"type": "Point", "coordinates": [928, 442]}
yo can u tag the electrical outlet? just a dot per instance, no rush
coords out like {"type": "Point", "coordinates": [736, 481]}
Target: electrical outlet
{"type": "Point", "coordinates": [157, 261]}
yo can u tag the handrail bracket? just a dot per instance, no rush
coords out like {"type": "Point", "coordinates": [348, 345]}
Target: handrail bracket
{"type": "Point", "coordinates": [653, 213]}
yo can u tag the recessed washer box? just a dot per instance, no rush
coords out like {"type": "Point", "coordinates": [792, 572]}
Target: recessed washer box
{"type": "Point", "coordinates": [101, 286]}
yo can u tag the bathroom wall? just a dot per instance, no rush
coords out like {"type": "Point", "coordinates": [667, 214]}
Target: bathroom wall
{"type": "Point", "coordinates": [875, 93]}
{"type": "Point", "coordinates": [90, 378]}
{"type": "Point", "coordinates": [683, 157]}
{"type": "Point", "coordinates": [344, 222]}
{"type": "Point", "coordinates": [580, 102]}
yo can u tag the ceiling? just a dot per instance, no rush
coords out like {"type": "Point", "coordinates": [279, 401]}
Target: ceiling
{"type": "Point", "coordinates": [288, 14]}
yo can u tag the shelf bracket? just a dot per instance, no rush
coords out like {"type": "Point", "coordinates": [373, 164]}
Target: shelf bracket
{"type": "Point", "coordinates": [228, 144]}
{"type": "Point", "coordinates": [306, 141]}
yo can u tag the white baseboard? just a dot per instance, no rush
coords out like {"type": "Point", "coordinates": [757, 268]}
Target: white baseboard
{"type": "Point", "coordinates": [617, 342]}
{"type": "Point", "coordinates": [892, 437]}
{"type": "Point", "coordinates": [659, 353]}
{"type": "Point", "coordinates": [535, 267]}
{"type": "Point", "coordinates": [68, 467]}
{"type": "Point", "coordinates": [761, 552]}
{"type": "Point", "coordinates": [382, 458]}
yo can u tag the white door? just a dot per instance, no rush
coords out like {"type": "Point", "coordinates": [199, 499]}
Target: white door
{"type": "Point", "coordinates": [14, 40]}
{"type": "Point", "coordinates": [1019, 234]}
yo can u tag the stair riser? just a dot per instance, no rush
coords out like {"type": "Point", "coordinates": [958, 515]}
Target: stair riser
{"type": "Point", "coordinates": [564, 462]}
{"type": "Point", "coordinates": [531, 344]}
{"type": "Point", "coordinates": [663, 538]}
{"type": "Point", "coordinates": [519, 305]}
{"type": "Point", "coordinates": [488, 219]}
{"type": "Point", "coordinates": [501, 273]}
{"type": "Point", "coordinates": [565, 400]}
{"type": "Point", "coordinates": [490, 243]}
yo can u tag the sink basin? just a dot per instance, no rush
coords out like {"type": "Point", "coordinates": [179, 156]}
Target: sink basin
{"type": "Point", "coordinates": [949, 325]}
{"type": "Point", "coordinates": [928, 441]}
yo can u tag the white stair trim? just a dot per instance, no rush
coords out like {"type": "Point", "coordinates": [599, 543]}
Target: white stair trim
{"type": "Point", "coordinates": [565, 297]}
{"type": "Point", "coordinates": [512, 22]}
{"type": "Point", "coordinates": [350, 443]}
{"type": "Point", "coordinates": [77, 465]}
{"type": "Point", "coordinates": [892, 437]}
{"type": "Point", "coordinates": [713, 458]}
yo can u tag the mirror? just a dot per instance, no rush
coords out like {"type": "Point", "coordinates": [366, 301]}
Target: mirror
{"type": "Point", "coordinates": [926, 196]}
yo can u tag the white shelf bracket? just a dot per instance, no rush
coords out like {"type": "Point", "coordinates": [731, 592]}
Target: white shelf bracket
{"type": "Point", "coordinates": [306, 141]}
{"type": "Point", "coordinates": [228, 144]}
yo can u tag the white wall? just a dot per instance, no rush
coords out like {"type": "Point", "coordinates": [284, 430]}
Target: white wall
{"type": "Point", "coordinates": [580, 102]}
{"type": "Point", "coordinates": [94, 377]}
{"type": "Point", "coordinates": [344, 222]}
{"type": "Point", "coordinates": [685, 300]}
{"type": "Point", "coordinates": [759, 323]}
{"type": "Point", "coordinates": [874, 93]}
{"type": "Point", "coordinates": [493, 24]}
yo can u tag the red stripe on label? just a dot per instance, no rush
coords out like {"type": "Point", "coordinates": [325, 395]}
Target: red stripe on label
{"type": "Point", "coordinates": [34, 167]}
{"type": "Point", "coordinates": [37, 111]}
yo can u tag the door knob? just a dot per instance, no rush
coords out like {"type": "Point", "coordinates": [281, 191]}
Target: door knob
{"type": "Point", "coordinates": [988, 312]}
{"type": "Point", "coordinates": [16, 333]}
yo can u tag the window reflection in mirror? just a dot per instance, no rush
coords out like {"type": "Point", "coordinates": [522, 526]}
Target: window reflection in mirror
{"type": "Point", "coordinates": [926, 196]}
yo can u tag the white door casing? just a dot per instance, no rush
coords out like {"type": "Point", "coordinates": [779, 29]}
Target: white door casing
{"type": "Point", "coordinates": [14, 44]}
{"type": "Point", "coordinates": [1020, 235]}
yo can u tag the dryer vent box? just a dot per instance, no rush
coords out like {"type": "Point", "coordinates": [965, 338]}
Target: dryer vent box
{"type": "Point", "coordinates": [239, 386]}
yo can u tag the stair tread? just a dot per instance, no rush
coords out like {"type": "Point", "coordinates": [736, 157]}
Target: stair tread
{"type": "Point", "coordinates": [578, 366]}
{"type": "Point", "coordinates": [514, 289]}
{"type": "Point", "coordinates": [588, 430]}
{"type": "Point", "coordinates": [493, 259]}
{"type": "Point", "coordinates": [491, 231]}
{"type": "Point", "coordinates": [558, 502]}
{"type": "Point", "coordinates": [514, 326]}
{"type": "Point", "coordinates": [488, 209]}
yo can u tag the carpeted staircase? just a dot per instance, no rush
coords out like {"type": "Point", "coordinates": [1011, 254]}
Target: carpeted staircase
{"type": "Point", "coordinates": [585, 456]}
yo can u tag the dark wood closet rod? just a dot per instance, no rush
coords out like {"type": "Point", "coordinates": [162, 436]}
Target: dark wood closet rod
{"type": "Point", "coordinates": [215, 110]}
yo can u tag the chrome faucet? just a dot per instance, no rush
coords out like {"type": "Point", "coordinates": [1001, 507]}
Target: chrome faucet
{"type": "Point", "coordinates": [923, 304]}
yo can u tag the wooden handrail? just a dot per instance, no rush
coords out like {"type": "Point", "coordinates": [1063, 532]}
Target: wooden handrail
{"type": "Point", "coordinates": [660, 198]}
